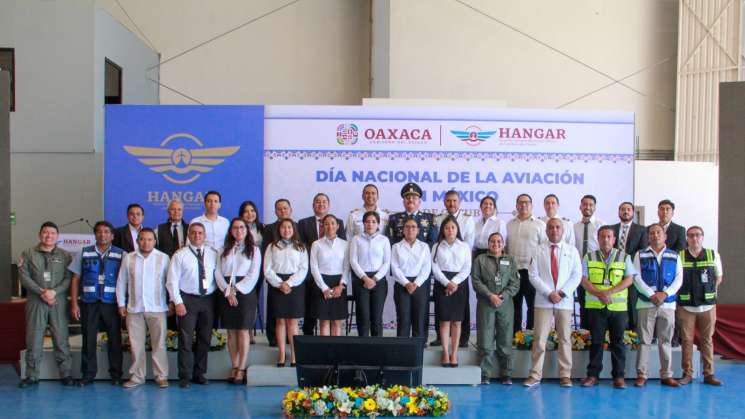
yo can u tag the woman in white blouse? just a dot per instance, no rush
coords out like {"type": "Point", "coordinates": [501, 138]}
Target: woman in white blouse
{"type": "Point", "coordinates": [285, 268]}
{"type": "Point", "coordinates": [329, 265]}
{"type": "Point", "coordinates": [451, 265]}
{"type": "Point", "coordinates": [236, 274]}
{"type": "Point", "coordinates": [411, 265]}
{"type": "Point", "coordinates": [250, 214]}
{"type": "Point", "coordinates": [370, 260]}
{"type": "Point", "coordinates": [486, 225]}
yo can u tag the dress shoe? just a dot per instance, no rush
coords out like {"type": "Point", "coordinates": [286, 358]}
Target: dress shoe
{"type": "Point", "coordinates": [84, 382]}
{"type": "Point", "coordinates": [293, 365]}
{"type": "Point", "coordinates": [640, 382]}
{"type": "Point", "coordinates": [505, 381]}
{"type": "Point", "coordinates": [565, 382]}
{"type": "Point", "coordinates": [27, 382]}
{"type": "Point", "coordinates": [184, 383]}
{"type": "Point", "coordinates": [619, 382]}
{"type": "Point", "coordinates": [712, 381]}
{"type": "Point", "coordinates": [435, 342]}
{"type": "Point", "coordinates": [161, 382]}
{"type": "Point", "coordinates": [531, 382]}
{"type": "Point", "coordinates": [687, 379]}
{"type": "Point", "coordinates": [131, 384]}
{"type": "Point", "coordinates": [68, 381]}
{"type": "Point", "coordinates": [201, 380]}
{"type": "Point", "coordinates": [117, 381]}
{"type": "Point", "coordinates": [670, 382]}
{"type": "Point", "coordinates": [463, 345]}
{"type": "Point", "coordinates": [589, 381]}
{"type": "Point", "coordinates": [484, 379]}
{"type": "Point", "coordinates": [453, 365]}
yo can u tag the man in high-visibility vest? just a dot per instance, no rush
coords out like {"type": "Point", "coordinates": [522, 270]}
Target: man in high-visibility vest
{"type": "Point", "coordinates": [696, 311]}
{"type": "Point", "coordinates": [606, 276]}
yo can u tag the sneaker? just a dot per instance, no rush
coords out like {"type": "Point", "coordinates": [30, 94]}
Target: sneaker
{"type": "Point", "coordinates": [131, 384]}
{"type": "Point", "coordinates": [531, 382]}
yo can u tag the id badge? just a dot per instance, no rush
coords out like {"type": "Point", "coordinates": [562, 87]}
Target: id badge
{"type": "Point", "coordinates": [47, 276]}
{"type": "Point", "coordinates": [704, 277]}
{"type": "Point", "coordinates": [101, 279]}
{"type": "Point", "coordinates": [498, 280]}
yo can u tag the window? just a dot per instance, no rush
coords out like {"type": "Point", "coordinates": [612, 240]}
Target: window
{"type": "Point", "coordinates": [7, 63]}
{"type": "Point", "coordinates": [113, 83]}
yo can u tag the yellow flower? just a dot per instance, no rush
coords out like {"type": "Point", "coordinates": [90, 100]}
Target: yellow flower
{"type": "Point", "coordinates": [315, 396]}
{"type": "Point", "coordinates": [300, 395]}
{"type": "Point", "coordinates": [369, 405]}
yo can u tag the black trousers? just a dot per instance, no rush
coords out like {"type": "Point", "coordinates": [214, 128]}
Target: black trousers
{"type": "Point", "coordinates": [91, 316]}
{"type": "Point", "coordinates": [369, 305]}
{"type": "Point", "coordinates": [311, 292]}
{"type": "Point", "coordinates": [599, 321]}
{"type": "Point", "coordinates": [527, 291]}
{"type": "Point", "coordinates": [200, 314]}
{"type": "Point", "coordinates": [411, 310]}
{"type": "Point", "coordinates": [270, 319]}
{"type": "Point", "coordinates": [633, 315]}
{"type": "Point", "coordinates": [583, 324]}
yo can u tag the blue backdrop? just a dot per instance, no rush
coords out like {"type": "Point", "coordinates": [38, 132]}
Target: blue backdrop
{"type": "Point", "coordinates": [157, 153]}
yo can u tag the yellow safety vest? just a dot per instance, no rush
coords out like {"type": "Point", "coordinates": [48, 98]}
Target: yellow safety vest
{"type": "Point", "coordinates": [605, 277]}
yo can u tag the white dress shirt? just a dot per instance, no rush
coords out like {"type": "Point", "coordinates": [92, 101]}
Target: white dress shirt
{"type": "Point", "coordinates": [465, 224]}
{"type": "Point", "coordinates": [523, 239]}
{"type": "Point", "coordinates": [215, 231]}
{"type": "Point", "coordinates": [141, 285]}
{"type": "Point", "coordinates": [183, 272]}
{"type": "Point", "coordinates": [454, 257]}
{"type": "Point", "coordinates": [329, 257]}
{"type": "Point", "coordinates": [568, 236]}
{"type": "Point", "coordinates": [370, 254]}
{"type": "Point", "coordinates": [485, 228]}
{"type": "Point", "coordinates": [648, 291]}
{"type": "Point", "coordinates": [285, 259]}
{"type": "Point", "coordinates": [134, 231]}
{"type": "Point", "coordinates": [238, 264]}
{"type": "Point", "coordinates": [592, 234]}
{"type": "Point", "coordinates": [409, 260]}
{"type": "Point", "coordinates": [569, 278]}
{"type": "Point", "coordinates": [355, 225]}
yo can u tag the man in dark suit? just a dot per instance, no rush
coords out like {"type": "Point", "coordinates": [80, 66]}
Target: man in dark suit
{"type": "Point", "coordinates": [125, 237]}
{"type": "Point", "coordinates": [172, 233]}
{"type": "Point", "coordinates": [676, 233]}
{"type": "Point", "coordinates": [632, 238]}
{"type": "Point", "coordinates": [310, 230]}
{"type": "Point", "coordinates": [282, 209]}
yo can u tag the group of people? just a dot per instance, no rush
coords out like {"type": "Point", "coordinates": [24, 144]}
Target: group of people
{"type": "Point", "coordinates": [211, 270]}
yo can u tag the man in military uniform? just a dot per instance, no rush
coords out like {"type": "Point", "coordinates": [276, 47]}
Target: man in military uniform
{"type": "Point", "coordinates": [43, 272]}
{"type": "Point", "coordinates": [370, 203]}
{"type": "Point", "coordinates": [412, 196]}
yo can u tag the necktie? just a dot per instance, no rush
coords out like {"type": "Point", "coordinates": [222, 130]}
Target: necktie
{"type": "Point", "coordinates": [585, 238]}
{"type": "Point", "coordinates": [202, 276]}
{"type": "Point", "coordinates": [176, 241]}
{"type": "Point", "coordinates": [320, 228]}
{"type": "Point", "coordinates": [622, 241]}
{"type": "Point", "coordinates": [554, 265]}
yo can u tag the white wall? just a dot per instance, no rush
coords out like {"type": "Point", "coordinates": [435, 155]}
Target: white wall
{"type": "Point", "coordinates": [311, 52]}
{"type": "Point", "coordinates": [57, 129]}
{"type": "Point", "coordinates": [692, 186]}
{"type": "Point", "coordinates": [441, 49]}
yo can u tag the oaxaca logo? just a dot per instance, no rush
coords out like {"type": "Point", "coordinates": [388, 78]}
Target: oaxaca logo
{"type": "Point", "coordinates": [473, 135]}
{"type": "Point", "coordinates": [347, 134]}
{"type": "Point", "coordinates": [185, 161]}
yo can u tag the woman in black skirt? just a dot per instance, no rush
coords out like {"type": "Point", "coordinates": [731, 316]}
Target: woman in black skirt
{"type": "Point", "coordinates": [370, 261]}
{"type": "Point", "coordinates": [451, 265]}
{"type": "Point", "coordinates": [237, 274]}
{"type": "Point", "coordinates": [250, 214]}
{"type": "Point", "coordinates": [285, 268]}
{"type": "Point", "coordinates": [329, 265]}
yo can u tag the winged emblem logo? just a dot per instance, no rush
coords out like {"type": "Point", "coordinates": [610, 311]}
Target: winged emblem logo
{"type": "Point", "coordinates": [473, 135]}
{"type": "Point", "coordinates": [182, 164]}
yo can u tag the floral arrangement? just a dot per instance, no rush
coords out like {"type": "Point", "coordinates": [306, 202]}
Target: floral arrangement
{"type": "Point", "coordinates": [370, 401]}
{"type": "Point", "coordinates": [581, 340]}
{"type": "Point", "coordinates": [218, 342]}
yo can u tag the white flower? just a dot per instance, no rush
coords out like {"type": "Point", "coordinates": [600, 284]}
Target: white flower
{"type": "Point", "coordinates": [319, 407]}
